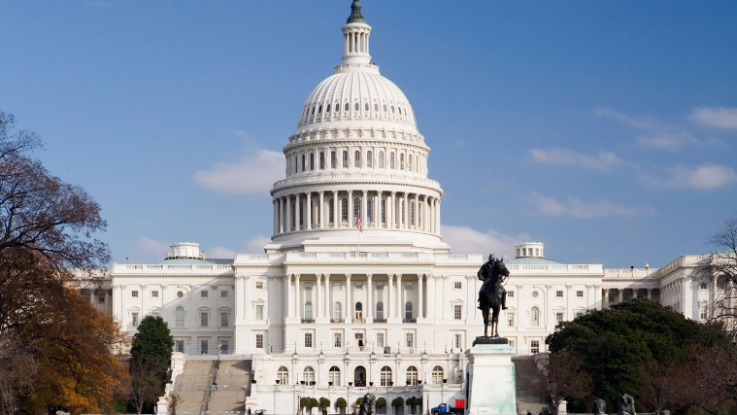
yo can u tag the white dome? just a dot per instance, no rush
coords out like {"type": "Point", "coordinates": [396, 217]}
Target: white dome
{"type": "Point", "coordinates": [356, 94]}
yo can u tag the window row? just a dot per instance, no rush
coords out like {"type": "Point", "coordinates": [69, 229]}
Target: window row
{"type": "Point", "coordinates": [204, 293]}
{"type": "Point", "coordinates": [335, 378]}
{"type": "Point", "coordinates": [320, 109]}
{"type": "Point", "coordinates": [335, 159]}
{"type": "Point", "coordinates": [205, 318]}
{"type": "Point", "coordinates": [379, 312]}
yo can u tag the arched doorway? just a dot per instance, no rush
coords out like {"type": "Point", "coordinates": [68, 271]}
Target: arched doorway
{"type": "Point", "coordinates": [359, 376]}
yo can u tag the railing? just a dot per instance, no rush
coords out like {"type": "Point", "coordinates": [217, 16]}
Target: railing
{"type": "Point", "coordinates": [213, 268]}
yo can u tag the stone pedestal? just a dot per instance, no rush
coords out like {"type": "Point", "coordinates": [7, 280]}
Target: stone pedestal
{"type": "Point", "coordinates": [490, 377]}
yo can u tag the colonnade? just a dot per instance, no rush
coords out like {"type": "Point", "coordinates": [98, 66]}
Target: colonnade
{"type": "Point", "coordinates": [650, 294]}
{"type": "Point", "coordinates": [337, 209]}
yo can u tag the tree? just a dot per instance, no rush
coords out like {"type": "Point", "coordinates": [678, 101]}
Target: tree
{"type": "Point", "coordinates": [720, 267]}
{"type": "Point", "coordinates": [398, 404]}
{"type": "Point", "coordinates": [324, 403]}
{"type": "Point", "coordinates": [618, 345]}
{"type": "Point", "coordinates": [562, 377]}
{"type": "Point", "coordinates": [173, 401]}
{"type": "Point", "coordinates": [150, 360]}
{"type": "Point", "coordinates": [341, 404]}
{"type": "Point", "coordinates": [381, 405]}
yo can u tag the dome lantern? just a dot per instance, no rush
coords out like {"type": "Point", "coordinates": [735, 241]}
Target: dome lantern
{"type": "Point", "coordinates": [356, 38]}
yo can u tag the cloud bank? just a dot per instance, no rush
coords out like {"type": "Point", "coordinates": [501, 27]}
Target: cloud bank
{"type": "Point", "coordinates": [252, 174]}
{"type": "Point", "coordinates": [719, 117]}
{"type": "Point", "coordinates": [579, 209]}
{"type": "Point", "coordinates": [601, 161]}
{"type": "Point", "coordinates": [465, 240]}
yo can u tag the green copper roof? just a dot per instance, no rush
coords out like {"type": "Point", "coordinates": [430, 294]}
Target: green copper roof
{"type": "Point", "coordinates": [356, 16]}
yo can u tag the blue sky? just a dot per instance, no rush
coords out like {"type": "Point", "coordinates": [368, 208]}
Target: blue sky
{"type": "Point", "coordinates": [607, 130]}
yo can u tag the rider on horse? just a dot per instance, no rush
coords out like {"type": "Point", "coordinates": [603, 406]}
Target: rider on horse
{"type": "Point", "coordinates": [485, 273]}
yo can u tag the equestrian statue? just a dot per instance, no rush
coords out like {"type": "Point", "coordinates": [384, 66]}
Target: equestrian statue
{"type": "Point", "coordinates": [492, 295]}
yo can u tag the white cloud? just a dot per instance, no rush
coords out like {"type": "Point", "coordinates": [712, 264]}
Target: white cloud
{"type": "Point", "coordinates": [656, 134]}
{"type": "Point", "coordinates": [220, 252]}
{"type": "Point", "coordinates": [576, 208]}
{"type": "Point", "coordinates": [719, 117]}
{"type": "Point", "coordinates": [602, 161]}
{"type": "Point", "coordinates": [146, 250]}
{"type": "Point", "coordinates": [249, 175]}
{"type": "Point", "coordinates": [256, 244]}
{"type": "Point", "coordinates": [705, 177]}
{"type": "Point", "coordinates": [463, 239]}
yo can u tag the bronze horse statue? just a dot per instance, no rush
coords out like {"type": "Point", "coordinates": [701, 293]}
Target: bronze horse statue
{"type": "Point", "coordinates": [492, 294]}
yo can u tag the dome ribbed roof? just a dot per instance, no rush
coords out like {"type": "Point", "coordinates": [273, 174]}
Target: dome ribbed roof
{"type": "Point", "coordinates": [364, 93]}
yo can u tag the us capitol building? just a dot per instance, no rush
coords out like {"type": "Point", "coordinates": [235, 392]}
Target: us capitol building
{"type": "Point", "coordinates": [357, 287]}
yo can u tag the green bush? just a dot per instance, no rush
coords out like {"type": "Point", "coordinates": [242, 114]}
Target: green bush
{"type": "Point", "coordinates": [381, 403]}
{"type": "Point", "coordinates": [397, 402]}
{"type": "Point", "coordinates": [324, 403]}
{"type": "Point", "coordinates": [341, 403]}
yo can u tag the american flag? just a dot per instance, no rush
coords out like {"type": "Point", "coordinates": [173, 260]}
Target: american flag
{"type": "Point", "coordinates": [359, 225]}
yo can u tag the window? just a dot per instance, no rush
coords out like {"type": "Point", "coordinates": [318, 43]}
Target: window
{"type": "Point", "coordinates": [379, 310]}
{"type": "Point", "coordinates": [204, 318]}
{"type": "Point", "coordinates": [204, 293]}
{"type": "Point", "coordinates": [344, 210]}
{"type": "Point", "coordinates": [308, 375]}
{"type": "Point", "coordinates": [458, 340]}
{"type": "Point", "coordinates": [333, 160]}
{"type": "Point", "coordinates": [409, 340]}
{"type": "Point", "coordinates": [457, 285]}
{"type": "Point", "coordinates": [224, 318]}
{"type": "Point", "coordinates": [223, 294]}
{"type": "Point", "coordinates": [312, 161]}
{"type": "Point", "coordinates": [703, 285]}
{"type": "Point", "coordinates": [366, 106]}
{"type": "Point", "coordinates": [282, 376]}
{"type": "Point", "coordinates": [401, 161]}
{"type": "Point", "coordinates": [379, 339]}
{"type": "Point", "coordinates": [437, 375]}
{"type": "Point", "coordinates": [534, 346]}
{"type": "Point", "coordinates": [510, 293]}
{"type": "Point", "coordinates": [579, 293]}
{"type": "Point", "coordinates": [347, 107]}
{"type": "Point", "coordinates": [134, 319]}
{"type": "Point", "coordinates": [391, 160]}
{"type": "Point", "coordinates": [579, 314]}
{"type": "Point", "coordinates": [334, 376]}
{"type": "Point", "coordinates": [308, 311]}
{"type": "Point", "coordinates": [457, 311]}
{"type": "Point", "coordinates": [345, 159]}
{"type": "Point", "coordinates": [559, 294]}
{"type": "Point", "coordinates": [558, 317]}
{"type": "Point", "coordinates": [179, 317]}
{"type": "Point", "coordinates": [357, 159]}
{"type": "Point", "coordinates": [359, 311]}
{"type": "Point", "coordinates": [204, 346]}
{"type": "Point", "coordinates": [224, 347]}
{"type": "Point", "coordinates": [308, 339]}
{"type": "Point", "coordinates": [411, 376]}
{"type": "Point", "coordinates": [134, 293]}
{"type": "Point", "coordinates": [369, 159]}
{"type": "Point", "coordinates": [155, 293]}
{"type": "Point", "coordinates": [510, 319]}
{"type": "Point", "coordinates": [180, 294]}
{"type": "Point", "coordinates": [386, 376]}
{"type": "Point", "coordinates": [101, 298]}
{"type": "Point", "coordinates": [409, 162]}
{"type": "Point", "coordinates": [179, 346]}
{"type": "Point", "coordinates": [259, 285]}
{"type": "Point", "coordinates": [337, 339]}
{"type": "Point", "coordinates": [259, 311]}
{"type": "Point", "coordinates": [408, 285]}
{"type": "Point", "coordinates": [322, 157]}
{"type": "Point", "coordinates": [337, 312]}
{"type": "Point", "coordinates": [535, 317]}
{"type": "Point", "coordinates": [381, 159]}
{"type": "Point", "coordinates": [370, 210]}
{"type": "Point", "coordinates": [327, 108]}
{"type": "Point", "coordinates": [356, 209]}
{"type": "Point", "coordinates": [259, 341]}
{"type": "Point", "coordinates": [408, 311]}
{"type": "Point", "coordinates": [703, 313]}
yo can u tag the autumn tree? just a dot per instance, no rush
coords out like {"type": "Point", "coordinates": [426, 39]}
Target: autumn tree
{"type": "Point", "coordinates": [55, 349]}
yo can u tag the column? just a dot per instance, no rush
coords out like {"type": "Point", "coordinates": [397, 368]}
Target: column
{"type": "Point", "coordinates": [605, 298]}
{"type": "Point", "coordinates": [117, 301]}
{"type": "Point", "coordinates": [347, 313]}
{"type": "Point", "coordinates": [431, 296]}
{"type": "Point", "coordinates": [298, 212]}
{"type": "Point", "coordinates": [417, 212]}
{"type": "Point", "coordinates": [297, 300]}
{"type": "Point", "coordinates": [364, 208]}
{"type": "Point", "coordinates": [390, 211]}
{"type": "Point", "coordinates": [309, 210]}
{"type": "Point", "coordinates": [400, 296]}
{"type": "Point", "coordinates": [336, 214]}
{"type": "Point", "coordinates": [240, 304]}
{"type": "Point", "coordinates": [318, 294]}
{"type": "Point", "coordinates": [288, 213]}
{"type": "Point", "coordinates": [437, 216]}
{"type": "Point", "coordinates": [390, 299]}
{"type": "Point", "coordinates": [328, 302]}
{"type": "Point", "coordinates": [321, 210]}
{"type": "Point", "coordinates": [370, 306]}
{"type": "Point", "coordinates": [621, 295]}
{"type": "Point", "coordinates": [289, 295]}
{"type": "Point", "coordinates": [420, 296]}
{"type": "Point", "coordinates": [275, 217]}
{"type": "Point", "coordinates": [350, 209]}
{"type": "Point", "coordinates": [377, 209]}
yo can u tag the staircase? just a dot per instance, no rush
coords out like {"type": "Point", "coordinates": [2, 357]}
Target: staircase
{"type": "Point", "coordinates": [233, 381]}
{"type": "Point", "coordinates": [528, 398]}
{"type": "Point", "coordinates": [191, 385]}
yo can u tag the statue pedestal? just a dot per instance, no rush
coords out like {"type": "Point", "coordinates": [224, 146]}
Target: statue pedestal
{"type": "Point", "coordinates": [490, 378]}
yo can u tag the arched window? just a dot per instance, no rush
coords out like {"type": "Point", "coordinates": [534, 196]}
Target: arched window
{"type": "Point", "coordinates": [308, 375]}
{"type": "Point", "coordinates": [408, 310]}
{"type": "Point", "coordinates": [345, 159]}
{"type": "Point", "coordinates": [355, 106]}
{"type": "Point", "coordinates": [369, 159]}
{"type": "Point", "coordinates": [303, 162]}
{"type": "Point", "coordinates": [333, 160]}
{"type": "Point", "coordinates": [327, 108]}
{"type": "Point", "coordinates": [412, 376]}
{"type": "Point", "coordinates": [282, 376]}
{"type": "Point", "coordinates": [344, 210]}
{"type": "Point", "coordinates": [357, 159]}
{"type": "Point", "coordinates": [319, 109]}
{"type": "Point", "coordinates": [337, 107]}
{"type": "Point", "coordinates": [376, 107]}
{"type": "Point", "coordinates": [437, 375]}
{"type": "Point", "coordinates": [535, 317]}
{"type": "Point", "coordinates": [391, 160]}
{"type": "Point", "coordinates": [337, 311]}
{"type": "Point", "coordinates": [334, 376]}
{"type": "Point", "coordinates": [365, 106]}
{"type": "Point", "coordinates": [179, 314]}
{"type": "Point", "coordinates": [356, 208]}
{"type": "Point", "coordinates": [412, 213]}
{"type": "Point", "coordinates": [359, 311]}
{"type": "Point", "coordinates": [380, 310]}
{"type": "Point", "coordinates": [370, 210]}
{"type": "Point", "coordinates": [308, 311]}
{"type": "Point", "coordinates": [322, 160]}
{"type": "Point", "coordinates": [410, 162]}
{"type": "Point", "coordinates": [401, 162]}
{"type": "Point", "coordinates": [347, 107]}
{"type": "Point", "coordinates": [381, 159]}
{"type": "Point", "coordinates": [386, 376]}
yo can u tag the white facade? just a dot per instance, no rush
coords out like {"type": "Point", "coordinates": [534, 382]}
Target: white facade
{"type": "Point", "coordinates": [357, 287]}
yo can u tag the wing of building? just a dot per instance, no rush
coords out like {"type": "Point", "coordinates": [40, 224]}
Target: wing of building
{"type": "Point", "coordinates": [357, 287]}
